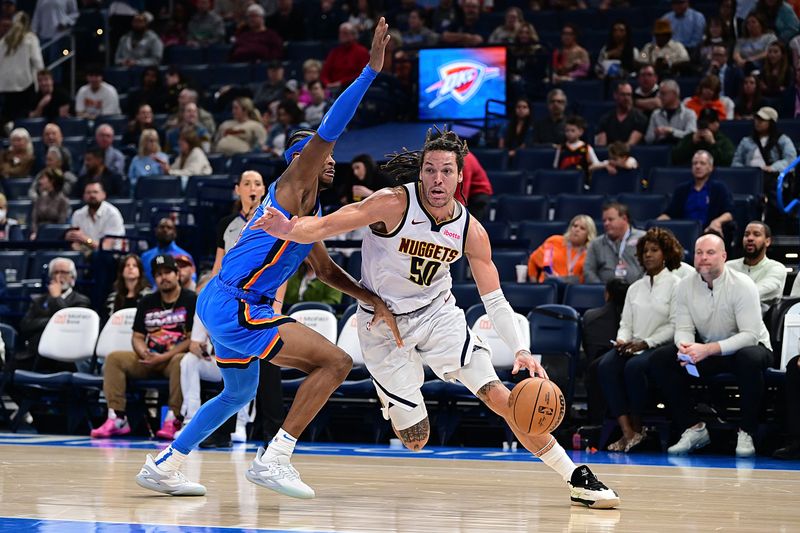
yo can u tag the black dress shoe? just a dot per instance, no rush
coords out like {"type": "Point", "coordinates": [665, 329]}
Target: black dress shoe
{"type": "Point", "coordinates": [791, 451]}
{"type": "Point", "coordinates": [216, 441]}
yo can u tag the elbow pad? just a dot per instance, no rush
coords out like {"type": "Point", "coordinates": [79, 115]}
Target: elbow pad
{"type": "Point", "coordinates": [504, 320]}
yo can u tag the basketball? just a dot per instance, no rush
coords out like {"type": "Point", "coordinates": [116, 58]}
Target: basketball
{"type": "Point", "coordinates": [537, 406]}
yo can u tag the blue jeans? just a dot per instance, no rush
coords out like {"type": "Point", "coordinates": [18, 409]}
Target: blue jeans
{"type": "Point", "coordinates": [624, 381]}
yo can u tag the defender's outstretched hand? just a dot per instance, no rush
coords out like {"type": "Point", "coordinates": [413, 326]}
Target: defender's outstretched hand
{"type": "Point", "coordinates": [379, 42]}
{"type": "Point", "coordinates": [275, 223]}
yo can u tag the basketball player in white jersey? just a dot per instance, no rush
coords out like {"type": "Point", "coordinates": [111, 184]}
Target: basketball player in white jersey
{"type": "Point", "coordinates": [418, 230]}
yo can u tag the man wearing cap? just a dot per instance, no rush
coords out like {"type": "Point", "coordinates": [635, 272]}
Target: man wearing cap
{"type": "Point", "coordinates": [688, 25]}
{"type": "Point", "coordinates": [664, 53]}
{"type": "Point", "coordinates": [186, 271]}
{"type": "Point", "coordinates": [161, 332]}
{"type": "Point", "coordinates": [139, 47]}
{"type": "Point", "coordinates": [708, 138]}
{"type": "Point", "coordinates": [165, 233]}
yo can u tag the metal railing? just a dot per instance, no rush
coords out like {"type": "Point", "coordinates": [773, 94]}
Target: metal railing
{"type": "Point", "coordinates": [67, 54]}
{"type": "Point", "coordinates": [779, 192]}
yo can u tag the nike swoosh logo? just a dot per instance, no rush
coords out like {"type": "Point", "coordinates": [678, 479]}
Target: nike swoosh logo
{"type": "Point", "coordinates": [415, 222]}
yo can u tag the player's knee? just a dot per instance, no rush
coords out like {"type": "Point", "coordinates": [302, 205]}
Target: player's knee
{"type": "Point", "coordinates": [415, 437]}
{"type": "Point", "coordinates": [341, 364]}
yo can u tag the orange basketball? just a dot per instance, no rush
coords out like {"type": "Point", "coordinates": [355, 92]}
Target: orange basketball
{"type": "Point", "coordinates": [537, 406]}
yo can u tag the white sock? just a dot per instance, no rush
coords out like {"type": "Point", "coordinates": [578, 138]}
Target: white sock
{"type": "Point", "coordinates": [170, 459]}
{"type": "Point", "coordinates": [557, 459]}
{"type": "Point", "coordinates": [281, 444]}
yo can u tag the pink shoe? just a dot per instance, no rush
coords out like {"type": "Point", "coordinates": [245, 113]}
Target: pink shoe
{"type": "Point", "coordinates": [111, 429]}
{"type": "Point", "coordinates": [168, 429]}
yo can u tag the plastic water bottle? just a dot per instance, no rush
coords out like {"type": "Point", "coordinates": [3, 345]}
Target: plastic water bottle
{"type": "Point", "coordinates": [576, 440]}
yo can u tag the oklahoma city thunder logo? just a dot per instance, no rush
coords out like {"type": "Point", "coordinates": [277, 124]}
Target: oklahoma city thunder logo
{"type": "Point", "coordinates": [460, 80]}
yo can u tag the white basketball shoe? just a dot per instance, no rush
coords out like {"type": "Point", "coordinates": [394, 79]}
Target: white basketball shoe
{"type": "Point", "coordinates": [279, 475]}
{"type": "Point", "coordinates": [173, 483]}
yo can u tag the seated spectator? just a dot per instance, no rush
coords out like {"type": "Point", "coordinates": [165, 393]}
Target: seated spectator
{"type": "Point", "coordinates": [94, 220]}
{"type": "Point", "coordinates": [776, 74]}
{"type": "Point", "coordinates": [418, 35]}
{"type": "Point", "coordinates": [165, 234]}
{"type": "Point", "coordinates": [191, 159]}
{"type": "Point", "coordinates": [550, 129]}
{"type": "Point", "coordinates": [129, 286]}
{"type": "Point", "coordinates": [751, 49]}
{"type": "Point", "coordinates": [61, 274]}
{"type": "Point", "coordinates": [51, 206]}
{"type": "Point", "coordinates": [142, 121]}
{"type": "Point", "coordinates": [304, 286]}
{"type": "Point", "coordinates": [474, 187]}
{"type": "Point", "coordinates": [715, 335]}
{"type": "Point", "coordinates": [524, 60]}
{"type": "Point", "coordinates": [364, 180]}
{"type": "Point", "coordinates": [53, 138]}
{"type": "Point", "coordinates": [288, 21]}
{"type": "Point", "coordinates": [619, 159]}
{"type": "Point", "coordinates": [271, 89]}
{"type": "Point", "coordinates": [625, 123]}
{"type": "Point", "coordinates": [149, 159]}
{"type": "Point", "coordinates": [52, 17]}
{"type": "Point", "coordinates": [750, 100]}
{"type": "Point", "coordinates": [96, 97]}
{"type": "Point", "coordinates": [716, 38]}
{"type": "Point", "coordinates": [205, 27]}
{"type": "Point", "coordinates": [151, 92]}
{"type": "Point", "coordinates": [318, 106]}
{"type": "Point", "coordinates": [507, 32]}
{"type": "Point", "coordinates": [729, 74]}
{"type": "Point", "coordinates": [204, 118]}
{"type": "Point", "coordinates": [688, 24]}
{"type": "Point", "coordinates": [708, 97]}
{"type": "Point", "coordinates": [666, 55]}
{"type": "Point", "coordinates": [517, 132]}
{"type": "Point", "coordinates": [444, 15]}
{"type": "Point", "coordinates": [254, 41]}
{"type": "Point", "coordinates": [768, 275]}
{"type": "Point", "coordinates": [644, 326]}
{"type": "Point", "coordinates": [243, 133]}
{"type": "Point", "coordinates": [175, 83]}
{"type": "Point", "coordinates": [312, 68]}
{"type": "Point", "coordinates": [250, 190]}
{"type": "Point", "coordinates": [767, 148]}
{"type": "Point", "coordinates": [190, 119]}
{"type": "Point", "coordinates": [232, 11]}
{"type": "Point", "coordinates": [613, 255]}
{"type": "Point", "coordinates": [323, 22]}
{"type": "Point", "coordinates": [113, 158]}
{"type": "Point", "coordinates": [645, 96]}
{"type": "Point", "coordinates": [187, 274]}
{"type": "Point", "coordinates": [9, 227]}
{"type": "Point", "coordinates": [96, 170]}
{"type": "Point", "coordinates": [791, 451]}
{"type": "Point", "coordinates": [673, 121]}
{"type": "Point", "coordinates": [573, 153]}
{"type": "Point", "coordinates": [562, 256]}
{"type": "Point", "coordinates": [344, 63]}
{"type": "Point", "coordinates": [571, 61]}
{"type": "Point", "coordinates": [290, 118]}
{"type": "Point", "coordinates": [22, 59]}
{"type": "Point", "coordinates": [779, 15]}
{"type": "Point", "coordinates": [139, 47]}
{"type": "Point", "coordinates": [466, 29]}
{"type": "Point", "coordinates": [618, 56]}
{"type": "Point", "coordinates": [161, 332]}
{"type": "Point", "coordinates": [176, 26]}
{"type": "Point", "coordinates": [708, 137]}
{"type": "Point", "coordinates": [51, 102]}
{"type": "Point", "coordinates": [707, 201]}
{"type": "Point", "coordinates": [17, 160]}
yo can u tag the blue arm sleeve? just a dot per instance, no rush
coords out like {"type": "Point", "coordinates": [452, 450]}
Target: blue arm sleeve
{"type": "Point", "coordinates": [343, 109]}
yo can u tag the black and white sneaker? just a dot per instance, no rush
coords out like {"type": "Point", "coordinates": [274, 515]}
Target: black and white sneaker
{"type": "Point", "coordinates": [586, 489]}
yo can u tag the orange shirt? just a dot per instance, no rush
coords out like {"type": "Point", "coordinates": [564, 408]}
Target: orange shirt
{"type": "Point", "coordinates": [554, 255]}
{"type": "Point", "coordinates": [695, 104]}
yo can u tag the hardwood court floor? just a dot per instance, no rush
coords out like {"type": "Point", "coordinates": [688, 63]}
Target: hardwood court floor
{"type": "Point", "coordinates": [407, 494]}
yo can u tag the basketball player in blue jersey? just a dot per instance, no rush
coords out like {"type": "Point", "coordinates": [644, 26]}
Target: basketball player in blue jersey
{"type": "Point", "coordinates": [236, 308]}
{"type": "Point", "coordinates": [418, 230]}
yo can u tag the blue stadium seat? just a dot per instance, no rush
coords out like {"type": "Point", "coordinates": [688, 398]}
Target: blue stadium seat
{"type": "Point", "coordinates": [498, 231]}
{"type": "Point", "coordinates": [584, 296]}
{"type": "Point", "coordinates": [218, 53]}
{"type": "Point", "coordinates": [219, 163]}
{"type": "Point", "coordinates": [151, 187]}
{"type": "Point", "coordinates": [650, 157]}
{"type": "Point", "coordinates": [643, 207]}
{"type": "Point", "coordinates": [491, 159]}
{"type": "Point", "coordinates": [532, 159]}
{"type": "Point", "coordinates": [74, 127]}
{"type": "Point", "coordinates": [583, 90]}
{"type": "Point", "coordinates": [14, 264]}
{"type": "Point", "coordinates": [120, 77]}
{"type": "Point", "coordinates": [594, 110]}
{"type": "Point", "coordinates": [52, 232]}
{"type": "Point", "coordinates": [665, 180]}
{"type": "Point", "coordinates": [302, 50]}
{"type": "Point", "coordinates": [686, 231]}
{"type": "Point", "coordinates": [688, 85]}
{"type": "Point", "coordinates": [198, 75]}
{"type": "Point", "coordinates": [507, 181]}
{"type": "Point", "coordinates": [458, 270]}
{"type": "Point", "coordinates": [525, 296]}
{"type": "Point", "coordinates": [193, 183]}
{"type": "Point", "coordinates": [736, 130]}
{"type": "Point", "coordinates": [127, 208]}
{"type": "Point", "coordinates": [466, 294]}
{"type": "Point", "coordinates": [553, 182]}
{"type": "Point", "coordinates": [790, 127]}
{"type": "Point", "coordinates": [235, 73]}
{"type": "Point", "coordinates": [184, 55]}
{"type": "Point", "coordinates": [556, 335]}
{"type": "Point", "coordinates": [20, 210]}
{"type": "Point", "coordinates": [741, 180]}
{"type": "Point", "coordinates": [569, 205]}
{"type": "Point", "coordinates": [626, 181]}
{"type": "Point", "coordinates": [536, 232]}
{"type": "Point", "coordinates": [354, 264]}
{"type": "Point", "coordinates": [41, 259]}
{"type": "Point", "coordinates": [34, 126]}
{"type": "Point", "coordinates": [506, 262]}
{"type": "Point", "coordinates": [16, 188]}
{"type": "Point", "coordinates": [118, 122]}
{"type": "Point", "coordinates": [519, 208]}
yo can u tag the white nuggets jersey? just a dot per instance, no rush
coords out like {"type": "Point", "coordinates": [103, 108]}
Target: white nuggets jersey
{"type": "Point", "coordinates": [410, 266]}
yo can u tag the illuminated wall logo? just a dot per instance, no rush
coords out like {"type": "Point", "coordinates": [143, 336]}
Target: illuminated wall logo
{"type": "Point", "coordinates": [460, 80]}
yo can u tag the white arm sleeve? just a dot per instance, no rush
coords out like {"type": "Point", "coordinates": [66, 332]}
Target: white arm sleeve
{"type": "Point", "coordinates": [503, 319]}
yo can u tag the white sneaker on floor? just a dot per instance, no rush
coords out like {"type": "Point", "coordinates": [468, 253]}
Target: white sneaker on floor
{"type": "Point", "coordinates": [586, 489]}
{"type": "Point", "coordinates": [172, 483]}
{"type": "Point", "coordinates": [744, 445]}
{"type": "Point", "coordinates": [279, 475]}
{"type": "Point", "coordinates": [240, 435]}
{"type": "Point", "coordinates": [691, 440]}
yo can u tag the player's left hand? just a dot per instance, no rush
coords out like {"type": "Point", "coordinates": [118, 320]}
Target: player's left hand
{"type": "Point", "coordinates": [524, 359]}
{"type": "Point", "coordinates": [382, 314]}
{"type": "Point", "coordinates": [275, 223]}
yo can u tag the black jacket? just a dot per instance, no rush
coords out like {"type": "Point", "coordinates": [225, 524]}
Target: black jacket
{"type": "Point", "coordinates": [42, 308]}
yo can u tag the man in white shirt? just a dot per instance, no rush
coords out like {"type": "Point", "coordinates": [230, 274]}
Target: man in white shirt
{"type": "Point", "coordinates": [718, 329]}
{"type": "Point", "coordinates": [96, 97]}
{"type": "Point", "coordinates": [94, 220]}
{"type": "Point", "coordinates": [768, 275]}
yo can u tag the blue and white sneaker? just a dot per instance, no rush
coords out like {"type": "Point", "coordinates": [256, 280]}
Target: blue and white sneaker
{"type": "Point", "coordinates": [278, 475]}
{"type": "Point", "coordinates": [172, 483]}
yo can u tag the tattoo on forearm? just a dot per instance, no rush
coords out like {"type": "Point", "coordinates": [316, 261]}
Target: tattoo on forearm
{"type": "Point", "coordinates": [483, 392]}
{"type": "Point", "coordinates": [416, 435]}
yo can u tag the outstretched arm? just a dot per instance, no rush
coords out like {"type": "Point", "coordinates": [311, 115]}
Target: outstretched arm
{"type": "Point", "coordinates": [386, 205]}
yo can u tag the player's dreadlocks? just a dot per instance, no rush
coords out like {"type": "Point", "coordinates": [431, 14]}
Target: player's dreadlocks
{"type": "Point", "coordinates": [406, 166]}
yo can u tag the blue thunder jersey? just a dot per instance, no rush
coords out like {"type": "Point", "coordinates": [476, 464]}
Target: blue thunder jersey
{"type": "Point", "coordinates": [260, 263]}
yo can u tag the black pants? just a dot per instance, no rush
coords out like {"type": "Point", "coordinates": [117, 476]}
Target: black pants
{"type": "Point", "coordinates": [748, 365]}
{"type": "Point", "coordinates": [624, 381]}
{"type": "Point", "coordinates": [17, 105]}
{"type": "Point", "coordinates": [478, 205]}
{"type": "Point", "coordinates": [793, 397]}
{"type": "Point", "coordinates": [269, 399]}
